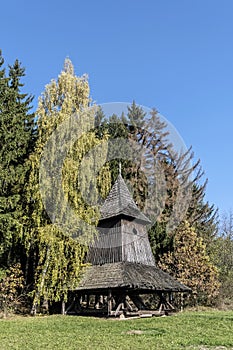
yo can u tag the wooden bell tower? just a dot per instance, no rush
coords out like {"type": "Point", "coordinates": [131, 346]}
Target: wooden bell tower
{"type": "Point", "coordinates": [122, 264]}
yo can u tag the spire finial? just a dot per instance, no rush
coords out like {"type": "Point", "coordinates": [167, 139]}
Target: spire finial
{"type": "Point", "coordinates": [119, 168]}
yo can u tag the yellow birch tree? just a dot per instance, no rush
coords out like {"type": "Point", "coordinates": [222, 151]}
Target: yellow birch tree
{"type": "Point", "coordinates": [58, 257]}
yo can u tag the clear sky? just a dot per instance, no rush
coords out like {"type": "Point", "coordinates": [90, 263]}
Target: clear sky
{"type": "Point", "coordinates": [174, 55]}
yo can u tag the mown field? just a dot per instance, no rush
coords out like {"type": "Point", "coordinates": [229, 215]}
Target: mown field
{"type": "Point", "coordinates": [188, 330]}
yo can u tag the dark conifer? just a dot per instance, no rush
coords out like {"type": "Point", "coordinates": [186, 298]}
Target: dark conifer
{"type": "Point", "coordinates": [16, 138]}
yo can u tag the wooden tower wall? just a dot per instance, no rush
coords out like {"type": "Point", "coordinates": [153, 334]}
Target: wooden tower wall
{"type": "Point", "coordinates": [107, 246]}
{"type": "Point", "coordinates": [121, 240]}
{"type": "Point", "coordinates": [135, 243]}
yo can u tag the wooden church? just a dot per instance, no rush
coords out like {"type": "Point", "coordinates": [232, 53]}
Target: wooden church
{"type": "Point", "coordinates": [122, 264]}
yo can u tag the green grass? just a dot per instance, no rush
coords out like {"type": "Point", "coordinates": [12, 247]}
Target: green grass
{"type": "Point", "coordinates": [188, 330]}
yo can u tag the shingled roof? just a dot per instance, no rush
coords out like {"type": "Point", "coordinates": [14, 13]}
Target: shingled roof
{"type": "Point", "coordinates": [130, 276]}
{"type": "Point", "coordinates": [120, 202]}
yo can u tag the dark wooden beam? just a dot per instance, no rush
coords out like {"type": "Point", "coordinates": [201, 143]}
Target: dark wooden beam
{"type": "Point", "coordinates": [109, 302]}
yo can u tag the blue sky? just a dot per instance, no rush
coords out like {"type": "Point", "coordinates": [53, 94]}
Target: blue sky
{"type": "Point", "coordinates": [174, 55]}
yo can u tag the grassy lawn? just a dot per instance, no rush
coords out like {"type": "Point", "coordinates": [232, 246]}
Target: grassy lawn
{"type": "Point", "coordinates": [188, 330]}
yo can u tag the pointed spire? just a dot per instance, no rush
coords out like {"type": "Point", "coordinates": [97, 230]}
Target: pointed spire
{"type": "Point", "coordinates": [119, 167]}
{"type": "Point", "coordinates": [120, 202]}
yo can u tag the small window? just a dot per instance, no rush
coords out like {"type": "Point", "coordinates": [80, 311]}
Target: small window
{"type": "Point", "coordinates": [135, 231]}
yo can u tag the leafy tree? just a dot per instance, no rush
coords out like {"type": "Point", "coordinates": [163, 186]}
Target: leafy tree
{"type": "Point", "coordinates": [223, 256]}
{"type": "Point", "coordinates": [58, 258]}
{"type": "Point", "coordinates": [190, 264]}
{"type": "Point", "coordinates": [11, 286]}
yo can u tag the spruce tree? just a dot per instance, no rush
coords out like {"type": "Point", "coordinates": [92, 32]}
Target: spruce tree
{"type": "Point", "coordinates": [16, 138]}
